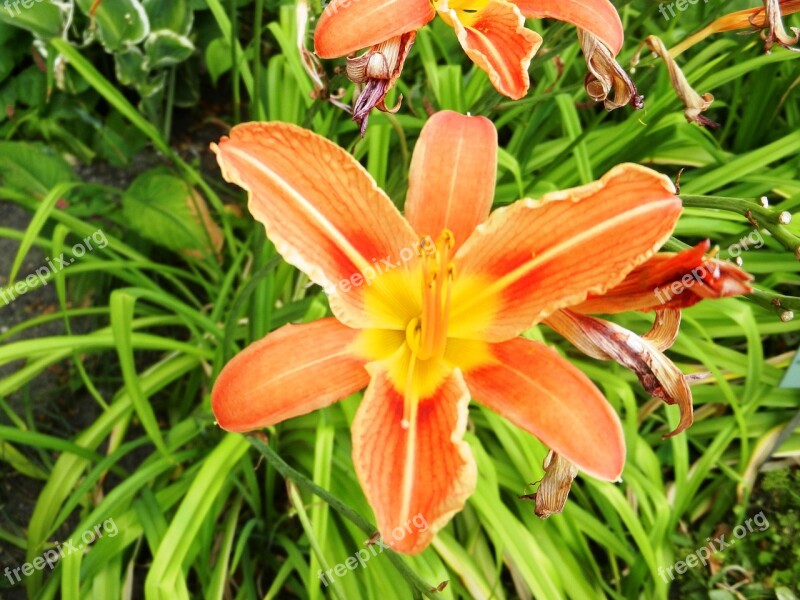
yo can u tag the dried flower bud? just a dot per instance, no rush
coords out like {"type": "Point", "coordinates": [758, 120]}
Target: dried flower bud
{"type": "Point", "coordinates": [554, 488]}
{"type": "Point", "coordinates": [775, 32]}
{"type": "Point", "coordinates": [378, 69]}
{"type": "Point", "coordinates": [605, 74]}
{"type": "Point", "coordinates": [695, 103]}
{"type": "Point", "coordinates": [371, 65]}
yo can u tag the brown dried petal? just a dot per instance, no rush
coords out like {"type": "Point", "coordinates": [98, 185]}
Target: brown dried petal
{"type": "Point", "coordinates": [775, 31]}
{"type": "Point", "coordinates": [605, 74]}
{"type": "Point", "coordinates": [641, 354]}
{"type": "Point", "coordinates": [309, 59]}
{"type": "Point", "coordinates": [664, 330]}
{"type": "Point", "coordinates": [695, 103]}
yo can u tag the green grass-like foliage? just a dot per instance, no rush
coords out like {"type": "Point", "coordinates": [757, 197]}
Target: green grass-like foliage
{"type": "Point", "coordinates": [205, 514]}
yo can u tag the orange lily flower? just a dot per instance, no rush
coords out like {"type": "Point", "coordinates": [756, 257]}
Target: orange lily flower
{"type": "Point", "coordinates": [491, 32]}
{"type": "Point", "coordinates": [429, 308]}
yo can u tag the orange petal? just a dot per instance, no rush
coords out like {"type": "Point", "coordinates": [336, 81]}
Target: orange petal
{"type": "Point", "coordinates": [643, 355]}
{"type": "Point", "coordinates": [598, 17]}
{"type": "Point", "coordinates": [500, 45]}
{"type": "Point", "coordinates": [292, 371]}
{"type": "Point", "coordinates": [452, 177]}
{"type": "Point", "coordinates": [542, 393]}
{"type": "Point", "coordinates": [415, 478]}
{"type": "Point", "coordinates": [671, 280]}
{"type": "Point", "coordinates": [542, 256]}
{"type": "Point", "coordinates": [320, 207]}
{"type": "Point", "coordinates": [349, 25]}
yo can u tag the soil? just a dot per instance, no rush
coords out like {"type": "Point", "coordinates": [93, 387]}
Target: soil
{"type": "Point", "coordinates": [42, 400]}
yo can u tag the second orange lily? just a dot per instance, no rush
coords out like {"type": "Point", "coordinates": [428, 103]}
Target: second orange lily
{"type": "Point", "coordinates": [491, 32]}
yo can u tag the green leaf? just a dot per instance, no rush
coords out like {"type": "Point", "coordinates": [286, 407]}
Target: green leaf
{"type": "Point", "coordinates": [43, 19]}
{"type": "Point", "coordinates": [19, 462]}
{"type": "Point", "coordinates": [31, 168]}
{"type": "Point", "coordinates": [30, 87]}
{"type": "Point", "coordinates": [122, 305]}
{"type": "Point", "coordinates": [175, 15]}
{"type": "Point", "coordinates": [37, 222]}
{"type": "Point", "coordinates": [165, 210]}
{"type": "Point", "coordinates": [166, 578]}
{"type": "Point", "coordinates": [6, 65]}
{"type": "Point", "coordinates": [129, 66]}
{"type": "Point", "coordinates": [118, 22]}
{"type": "Point", "coordinates": [165, 48]}
{"type": "Point", "coordinates": [218, 58]}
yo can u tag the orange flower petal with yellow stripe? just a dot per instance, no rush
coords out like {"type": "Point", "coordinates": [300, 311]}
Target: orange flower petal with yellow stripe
{"type": "Point", "coordinates": [496, 40]}
{"type": "Point", "coordinates": [414, 468]}
{"type": "Point", "coordinates": [320, 207]}
{"type": "Point", "coordinates": [598, 17]}
{"type": "Point", "coordinates": [293, 371]}
{"type": "Point", "coordinates": [461, 201]}
{"type": "Point", "coordinates": [530, 275]}
{"type": "Point", "coordinates": [540, 392]}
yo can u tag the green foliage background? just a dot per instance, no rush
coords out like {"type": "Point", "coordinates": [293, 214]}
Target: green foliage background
{"type": "Point", "coordinates": [147, 322]}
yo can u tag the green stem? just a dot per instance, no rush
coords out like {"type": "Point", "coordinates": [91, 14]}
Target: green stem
{"type": "Point", "coordinates": [343, 509]}
{"type": "Point", "coordinates": [237, 117]}
{"type": "Point", "coordinates": [784, 306]}
{"type": "Point", "coordinates": [170, 105]}
{"type": "Point", "coordinates": [760, 216]}
{"type": "Point", "coordinates": [255, 96]}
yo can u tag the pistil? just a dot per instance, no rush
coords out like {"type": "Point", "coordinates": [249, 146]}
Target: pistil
{"type": "Point", "coordinates": [437, 279]}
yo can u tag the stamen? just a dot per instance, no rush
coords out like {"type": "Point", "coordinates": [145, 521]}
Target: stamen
{"type": "Point", "coordinates": [430, 313]}
{"type": "Point", "coordinates": [437, 276]}
{"type": "Point", "coordinates": [441, 330]}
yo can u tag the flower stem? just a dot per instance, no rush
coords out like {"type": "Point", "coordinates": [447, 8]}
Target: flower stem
{"type": "Point", "coordinates": [343, 509]}
{"type": "Point", "coordinates": [784, 306]}
{"type": "Point", "coordinates": [754, 210]}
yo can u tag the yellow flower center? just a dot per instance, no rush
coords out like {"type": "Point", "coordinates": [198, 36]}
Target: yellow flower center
{"type": "Point", "coordinates": [417, 337]}
{"type": "Point", "coordinates": [466, 11]}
